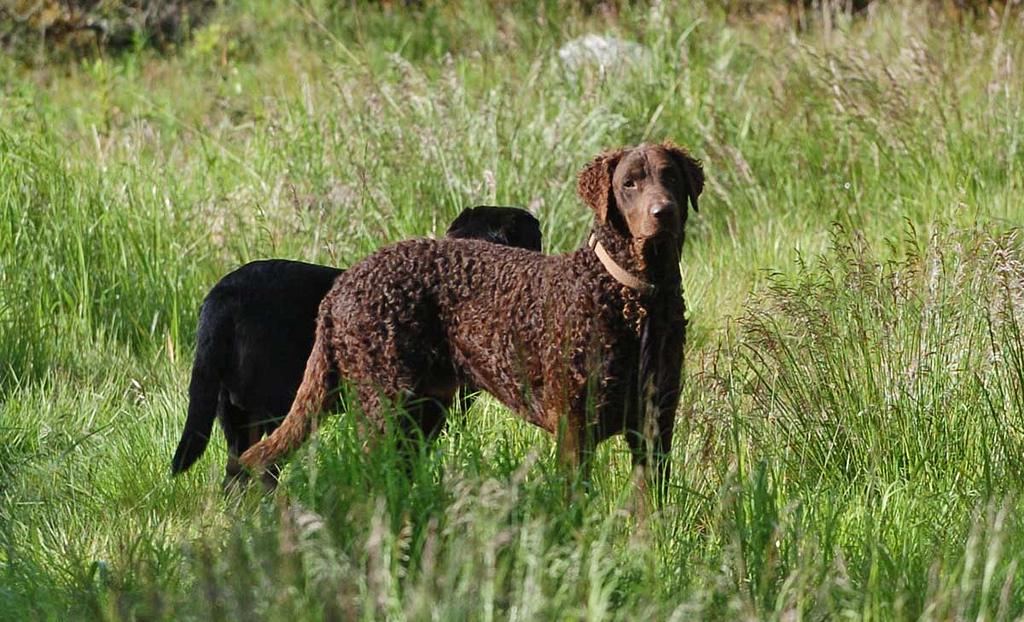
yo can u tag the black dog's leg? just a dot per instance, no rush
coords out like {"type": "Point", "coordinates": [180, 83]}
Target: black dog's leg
{"type": "Point", "coordinates": [240, 434]}
{"type": "Point", "coordinates": [433, 414]}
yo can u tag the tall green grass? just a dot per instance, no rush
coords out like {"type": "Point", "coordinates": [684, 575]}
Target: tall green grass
{"type": "Point", "coordinates": [849, 440]}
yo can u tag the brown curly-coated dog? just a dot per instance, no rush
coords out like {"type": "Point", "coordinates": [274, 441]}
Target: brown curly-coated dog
{"type": "Point", "coordinates": [585, 345]}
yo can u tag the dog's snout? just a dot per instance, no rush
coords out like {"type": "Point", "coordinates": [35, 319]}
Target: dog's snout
{"type": "Point", "coordinates": [662, 209]}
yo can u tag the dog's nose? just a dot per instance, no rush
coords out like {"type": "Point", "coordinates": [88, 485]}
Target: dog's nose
{"type": "Point", "coordinates": [662, 209]}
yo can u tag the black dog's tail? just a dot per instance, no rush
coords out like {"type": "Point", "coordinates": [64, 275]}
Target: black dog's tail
{"type": "Point", "coordinates": [212, 349]}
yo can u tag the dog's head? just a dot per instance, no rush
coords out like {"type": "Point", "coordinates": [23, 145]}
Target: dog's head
{"type": "Point", "coordinates": [642, 192]}
{"type": "Point", "coordinates": [509, 226]}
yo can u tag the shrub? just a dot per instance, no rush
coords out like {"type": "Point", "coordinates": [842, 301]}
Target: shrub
{"type": "Point", "coordinates": [70, 26]}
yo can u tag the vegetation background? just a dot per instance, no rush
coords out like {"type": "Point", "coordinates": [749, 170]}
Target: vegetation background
{"type": "Point", "coordinates": [849, 443]}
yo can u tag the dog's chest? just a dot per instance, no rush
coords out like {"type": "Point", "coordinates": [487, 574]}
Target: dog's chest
{"type": "Point", "coordinates": [643, 338]}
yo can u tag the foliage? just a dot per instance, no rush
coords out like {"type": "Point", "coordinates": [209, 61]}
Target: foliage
{"type": "Point", "coordinates": [850, 436]}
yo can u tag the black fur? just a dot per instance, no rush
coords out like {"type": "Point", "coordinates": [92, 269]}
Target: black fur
{"type": "Point", "coordinates": [256, 329]}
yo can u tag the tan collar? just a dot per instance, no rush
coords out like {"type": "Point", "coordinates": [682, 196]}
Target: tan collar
{"type": "Point", "coordinates": [618, 272]}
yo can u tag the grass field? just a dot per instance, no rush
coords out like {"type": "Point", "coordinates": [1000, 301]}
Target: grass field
{"type": "Point", "coordinates": [850, 438]}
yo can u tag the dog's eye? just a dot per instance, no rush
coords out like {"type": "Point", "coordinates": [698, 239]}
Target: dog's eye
{"type": "Point", "coordinates": [630, 183]}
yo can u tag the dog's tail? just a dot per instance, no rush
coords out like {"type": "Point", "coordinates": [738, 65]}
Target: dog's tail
{"type": "Point", "coordinates": [315, 395]}
{"type": "Point", "coordinates": [213, 347]}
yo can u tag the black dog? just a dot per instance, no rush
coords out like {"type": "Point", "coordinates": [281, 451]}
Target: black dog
{"type": "Point", "coordinates": [256, 331]}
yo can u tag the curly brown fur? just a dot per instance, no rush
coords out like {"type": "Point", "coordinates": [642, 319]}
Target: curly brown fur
{"type": "Point", "coordinates": [556, 339]}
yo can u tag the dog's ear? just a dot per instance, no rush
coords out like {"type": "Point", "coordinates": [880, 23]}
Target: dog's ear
{"type": "Point", "coordinates": [594, 184]}
{"type": "Point", "coordinates": [691, 169]}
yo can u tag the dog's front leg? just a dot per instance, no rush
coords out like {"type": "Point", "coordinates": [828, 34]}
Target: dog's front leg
{"type": "Point", "coordinates": [661, 462]}
{"type": "Point", "coordinates": [651, 445]}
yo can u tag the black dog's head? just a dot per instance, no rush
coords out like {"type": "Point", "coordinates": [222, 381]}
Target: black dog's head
{"type": "Point", "coordinates": [642, 192]}
{"type": "Point", "coordinates": [509, 226]}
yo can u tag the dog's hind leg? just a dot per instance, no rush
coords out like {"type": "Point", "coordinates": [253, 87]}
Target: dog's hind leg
{"type": "Point", "coordinates": [423, 416]}
{"type": "Point", "coordinates": [432, 416]}
{"type": "Point", "coordinates": [439, 393]}
{"type": "Point", "coordinates": [420, 414]}
{"type": "Point", "coordinates": [240, 435]}
{"type": "Point", "coordinates": [420, 425]}
{"type": "Point", "coordinates": [317, 394]}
